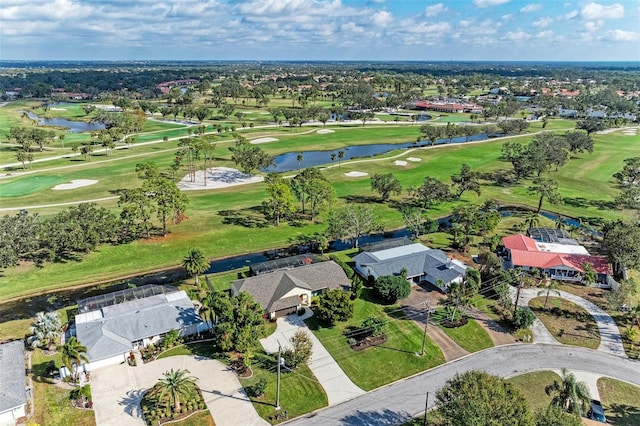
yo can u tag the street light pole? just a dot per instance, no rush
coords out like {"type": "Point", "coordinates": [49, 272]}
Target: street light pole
{"type": "Point", "coordinates": [278, 380]}
{"type": "Point", "coordinates": [426, 410]}
{"type": "Point", "coordinates": [426, 324]}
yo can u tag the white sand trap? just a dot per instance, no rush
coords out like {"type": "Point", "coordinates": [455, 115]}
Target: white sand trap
{"type": "Point", "coordinates": [79, 183]}
{"type": "Point", "coordinates": [218, 177]}
{"type": "Point", "coordinates": [356, 174]}
{"type": "Point", "coordinates": [324, 131]}
{"type": "Point", "coordinates": [400, 163]}
{"type": "Point", "coordinates": [414, 159]}
{"type": "Point", "coordinates": [58, 109]}
{"type": "Point", "coordinates": [263, 140]}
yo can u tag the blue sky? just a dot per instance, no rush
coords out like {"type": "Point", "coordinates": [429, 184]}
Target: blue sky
{"type": "Point", "coordinates": [419, 30]}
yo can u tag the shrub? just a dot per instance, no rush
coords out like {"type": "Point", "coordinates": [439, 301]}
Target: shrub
{"type": "Point", "coordinates": [374, 326]}
{"type": "Point", "coordinates": [335, 305]}
{"type": "Point", "coordinates": [391, 288]}
{"type": "Point", "coordinates": [523, 318]}
{"type": "Point", "coordinates": [347, 269]}
{"type": "Point", "coordinates": [257, 390]}
{"type": "Point", "coordinates": [301, 351]}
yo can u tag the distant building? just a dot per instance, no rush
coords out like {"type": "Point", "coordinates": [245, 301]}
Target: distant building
{"type": "Point", "coordinates": [448, 106]}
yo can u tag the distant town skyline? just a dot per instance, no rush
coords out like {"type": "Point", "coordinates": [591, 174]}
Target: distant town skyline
{"type": "Point", "coordinates": [415, 30]}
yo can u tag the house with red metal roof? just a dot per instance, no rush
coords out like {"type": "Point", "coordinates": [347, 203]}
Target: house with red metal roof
{"type": "Point", "coordinates": [565, 262]}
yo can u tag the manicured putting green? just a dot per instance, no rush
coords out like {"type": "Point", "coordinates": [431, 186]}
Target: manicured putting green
{"type": "Point", "coordinates": [29, 185]}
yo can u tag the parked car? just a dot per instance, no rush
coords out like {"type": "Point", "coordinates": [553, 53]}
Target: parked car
{"type": "Point", "coordinates": [596, 412]}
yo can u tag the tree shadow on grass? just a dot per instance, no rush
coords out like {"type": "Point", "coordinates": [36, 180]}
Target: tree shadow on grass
{"type": "Point", "coordinates": [362, 199]}
{"type": "Point", "coordinates": [382, 417]}
{"type": "Point", "coordinates": [248, 218]}
{"type": "Point", "coordinates": [623, 414]}
{"type": "Point", "coordinates": [582, 202]}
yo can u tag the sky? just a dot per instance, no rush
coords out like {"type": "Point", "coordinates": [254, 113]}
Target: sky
{"type": "Point", "coordinates": [384, 30]}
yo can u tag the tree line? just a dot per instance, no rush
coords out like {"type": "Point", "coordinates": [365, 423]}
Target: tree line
{"type": "Point", "coordinates": [74, 232]}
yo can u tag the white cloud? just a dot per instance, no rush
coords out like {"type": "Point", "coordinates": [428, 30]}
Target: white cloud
{"type": "Point", "coordinates": [532, 7]}
{"type": "Point", "coordinates": [547, 34]}
{"type": "Point", "coordinates": [435, 10]}
{"type": "Point", "coordinates": [352, 27]}
{"type": "Point", "coordinates": [593, 10]}
{"type": "Point", "coordinates": [542, 22]}
{"type": "Point", "coordinates": [382, 18]}
{"type": "Point", "coordinates": [506, 17]}
{"type": "Point", "coordinates": [622, 36]}
{"type": "Point", "coordinates": [569, 15]}
{"type": "Point", "coordinates": [518, 35]}
{"type": "Point", "coordinates": [489, 3]}
{"type": "Point", "coordinates": [592, 26]}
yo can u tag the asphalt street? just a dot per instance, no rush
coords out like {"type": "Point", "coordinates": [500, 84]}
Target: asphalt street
{"type": "Point", "coordinates": [400, 401]}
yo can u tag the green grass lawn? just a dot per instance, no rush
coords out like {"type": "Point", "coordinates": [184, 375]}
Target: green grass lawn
{"type": "Point", "coordinates": [52, 405]}
{"type": "Point", "coordinates": [567, 322]}
{"type": "Point", "coordinates": [29, 185]}
{"type": "Point", "coordinates": [377, 366]}
{"type": "Point", "coordinates": [202, 418]}
{"type": "Point", "coordinates": [471, 336]}
{"type": "Point", "coordinates": [532, 387]}
{"type": "Point", "coordinates": [300, 391]}
{"type": "Point", "coordinates": [621, 402]}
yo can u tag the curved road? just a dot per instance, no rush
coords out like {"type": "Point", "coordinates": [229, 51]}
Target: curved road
{"type": "Point", "coordinates": [400, 401]}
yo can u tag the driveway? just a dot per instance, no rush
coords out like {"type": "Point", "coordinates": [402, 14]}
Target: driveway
{"type": "Point", "coordinates": [336, 383]}
{"type": "Point", "coordinates": [117, 391]}
{"type": "Point", "coordinates": [610, 339]}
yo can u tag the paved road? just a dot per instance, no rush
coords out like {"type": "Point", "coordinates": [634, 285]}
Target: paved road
{"type": "Point", "coordinates": [403, 400]}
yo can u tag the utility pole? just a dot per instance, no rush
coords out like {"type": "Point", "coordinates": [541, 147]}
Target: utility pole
{"type": "Point", "coordinates": [426, 324]}
{"type": "Point", "coordinates": [515, 309]}
{"type": "Point", "coordinates": [278, 380]}
{"type": "Point", "coordinates": [426, 410]}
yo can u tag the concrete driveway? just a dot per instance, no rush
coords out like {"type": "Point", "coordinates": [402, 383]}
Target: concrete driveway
{"type": "Point", "coordinates": [336, 383]}
{"type": "Point", "coordinates": [117, 391]}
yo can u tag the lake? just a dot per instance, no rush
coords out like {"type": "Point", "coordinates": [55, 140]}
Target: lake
{"type": "Point", "coordinates": [72, 126]}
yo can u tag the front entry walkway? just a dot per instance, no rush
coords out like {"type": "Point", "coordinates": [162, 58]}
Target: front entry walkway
{"type": "Point", "coordinates": [118, 389]}
{"type": "Point", "coordinates": [336, 383]}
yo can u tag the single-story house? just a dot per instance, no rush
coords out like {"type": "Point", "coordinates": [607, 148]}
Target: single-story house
{"type": "Point", "coordinates": [421, 263]}
{"type": "Point", "coordinates": [284, 291]}
{"type": "Point", "coordinates": [563, 262]}
{"type": "Point", "coordinates": [13, 382]}
{"type": "Point", "coordinates": [114, 324]}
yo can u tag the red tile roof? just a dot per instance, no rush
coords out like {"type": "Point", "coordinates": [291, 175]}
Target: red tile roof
{"type": "Point", "coordinates": [519, 242]}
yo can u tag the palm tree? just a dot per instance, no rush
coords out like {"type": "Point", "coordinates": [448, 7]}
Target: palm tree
{"type": "Point", "coordinates": [73, 352]}
{"type": "Point", "coordinates": [176, 385]}
{"type": "Point", "coordinates": [299, 157]}
{"type": "Point", "coordinates": [545, 188]}
{"type": "Point", "coordinates": [552, 286]}
{"type": "Point", "coordinates": [333, 157]}
{"type": "Point", "coordinates": [340, 157]}
{"type": "Point", "coordinates": [570, 395]}
{"type": "Point", "coordinates": [195, 263]}
{"type": "Point", "coordinates": [45, 330]}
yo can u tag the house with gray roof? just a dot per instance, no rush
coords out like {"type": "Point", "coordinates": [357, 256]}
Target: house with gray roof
{"type": "Point", "coordinates": [112, 331]}
{"type": "Point", "coordinates": [421, 263]}
{"type": "Point", "coordinates": [13, 387]}
{"type": "Point", "coordinates": [284, 291]}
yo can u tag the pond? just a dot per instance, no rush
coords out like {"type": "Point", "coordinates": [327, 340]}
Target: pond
{"type": "Point", "coordinates": [289, 161]}
{"type": "Point", "coordinates": [72, 126]}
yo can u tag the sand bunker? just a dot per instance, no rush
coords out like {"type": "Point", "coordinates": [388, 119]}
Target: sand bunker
{"type": "Point", "coordinates": [400, 163]}
{"type": "Point", "coordinates": [58, 109]}
{"type": "Point", "coordinates": [356, 174]}
{"type": "Point", "coordinates": [324, 131]}
{"type": "Point", "coordinates": [414, 159]}
{"type": "Point", "coordinates": [218, 177]}
{"type": "Point", "coordinates": [263, 140]}
{"type": "Point", "coordinates": [79, 183]}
